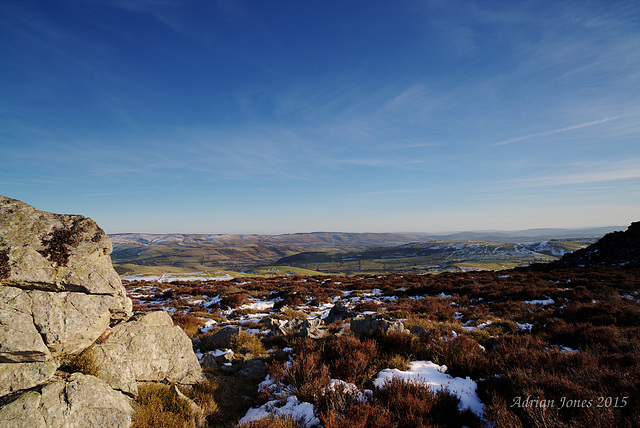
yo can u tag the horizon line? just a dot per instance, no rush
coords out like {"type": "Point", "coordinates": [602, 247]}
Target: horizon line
{"type": "Point", "coordinates": [446, 232]}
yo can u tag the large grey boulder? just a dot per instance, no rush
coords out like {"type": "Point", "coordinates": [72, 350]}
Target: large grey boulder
{"type": "Point", "coordinates": [36, 325]}
{"type": "Point", "coordinates": [54, 252]}
{"type": "Point", "coordinates": [84, 401]}
{"type": "Point", "coordinates": [221, 339]}
{"type": "Point", "coordinates": [306, 327]}
{"type": "Point", "coordinates": [77, 402]}
{"type": "Point", "coordinates": [19, 376]}
{"type": "Point", "coordinates": [339, 312]}
{"type": "Point", "coordinates": [111, 364]}
{"type": "Point", "coordinates": [23, 412]}
{"type": "Point", "coordinates": [419, 331]}
{"type": "Point", "coordinates": [156, 350]}
{"type": "Point", "coordinates": [69, 322]}
{"type": "Point", "coordinates": [372, 324]}
{"type": "Point", "coordinates": [20, 341]}
{"type": "Point", "coordinates": [253, 369]}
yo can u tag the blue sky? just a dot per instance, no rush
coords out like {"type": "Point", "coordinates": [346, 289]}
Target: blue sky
{"type": "Point", "coordinates": [274, 116]}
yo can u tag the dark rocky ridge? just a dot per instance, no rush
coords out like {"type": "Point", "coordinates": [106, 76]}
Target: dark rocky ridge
{"type": "Point", "coordinates": [620, 248]}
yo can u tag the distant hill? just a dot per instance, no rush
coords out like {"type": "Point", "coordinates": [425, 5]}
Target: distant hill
{"type": "Point", "coordinates": [307, 240]}
{"type": "Point", "coordinates": [236, 252]}
{"type": "Point", "coordinates": [528, 235]}
{"type": "Point", "coordinates": [614, 249]}
{"type": "Point", "coordinates": [339, 252]}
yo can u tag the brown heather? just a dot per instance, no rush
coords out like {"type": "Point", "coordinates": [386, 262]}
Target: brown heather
{"type": "Point", "coordinates": [595, 311]}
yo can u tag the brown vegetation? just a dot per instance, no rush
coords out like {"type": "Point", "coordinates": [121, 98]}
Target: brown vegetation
{"type": "Point", "coordinates": [564, 335]}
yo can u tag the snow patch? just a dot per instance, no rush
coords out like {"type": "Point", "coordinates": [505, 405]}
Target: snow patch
{"type": "Point", "coordinates": [548, 301]}
{"type": "Point", "coordinates": [292, 407]}
{"type": "Point", "coordinates": [524, 326]}
{"type": "Point", "coordinates": [434, 376]}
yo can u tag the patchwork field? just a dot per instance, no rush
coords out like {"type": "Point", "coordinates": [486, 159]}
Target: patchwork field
{"type": "Point", "coordinates": [327, 253]}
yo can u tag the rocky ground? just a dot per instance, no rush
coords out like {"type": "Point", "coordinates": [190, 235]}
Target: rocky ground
{"type": "Point", "coordinates": [480, 326]}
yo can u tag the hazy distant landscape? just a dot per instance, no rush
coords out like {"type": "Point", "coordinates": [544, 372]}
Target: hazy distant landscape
{"type": "Point", "coordinates": [224, 256]}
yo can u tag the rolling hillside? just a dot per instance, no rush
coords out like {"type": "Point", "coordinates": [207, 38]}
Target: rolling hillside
{"type": "Point", "coordinates": [342, 252]}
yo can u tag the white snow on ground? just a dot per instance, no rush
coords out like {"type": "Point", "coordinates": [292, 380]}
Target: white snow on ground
{"type": "Point", "coordinates": [632, 297]}
{"type": "Point", "coordinates": [221, 352]}
{"type": "Point", "coordinates": [208, 326]}
{"type": "Point", "coordinates": [167, 277]}
{"type": "Point", "coordinates": [483, 325]}
{"type": "Point", "coordinates": [292, 407]}
{"type": "Point", "coordinates": [524, 326]}
{"type": "Point", "coordinates": [565, 349]}
{"type": "Point", "coordinates": [322, 311]}
{"type": "Point", "coordinates": [351, 388]}
{"type": "Point", "coordinates": [548, 301]}
{"type": "Point", "coordinates": [271, 387]}
{"type": "Point", "coordinates": [215, 353]}
{"type": "Point", "coordinates": [434, 376]}
{"type": "Point", "coordinates": [259, 305]}
{"type": "Point", "coordinates": [213, 301]}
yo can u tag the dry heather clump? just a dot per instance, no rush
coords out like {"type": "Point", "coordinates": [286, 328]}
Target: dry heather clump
{"type": "Point", "coordinates": [416, 405]}
{"type": "Point", "coordinates": [361, 415]}
{"type": "Point", "coordinates": [351, 359]}
{"type": "Point", "coordinates": [203, 394]}
{"type": "Point", "coordinates": [399, 403]}
{"type": "Point", "coordinates": [307, 374]}
{"type": "Point", "coordinates": [367, 305]}
{"type": "Point", "coordinates": [274, 422]}
{"type": "Point", "coordinates": [234, 300]}
{"type": "Point", "coordinates": [81, 363]}
{"type": "Point", "coordinates": [399, 343]}
{"type": "Point", "coordinates": [289, 314]}
{"type": "Point", "coordinates": [337, 400]}
{"type": "Point", "coordinates": [157, 407]}
{"type": "Point", "coordinates": [246, 343]}
{"type": "Point", "coordinates": [464, 357]}
{"type": "Point", "coordinates": [188, 323]}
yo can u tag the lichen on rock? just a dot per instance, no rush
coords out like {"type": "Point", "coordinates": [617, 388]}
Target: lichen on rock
{"type": "Point", "coordinates": [55, 252]}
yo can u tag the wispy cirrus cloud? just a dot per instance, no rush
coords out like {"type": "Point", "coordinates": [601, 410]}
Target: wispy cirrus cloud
{"type": "Point", "coordinates": [623, 170]}
{"type": "Point", "coordinates": [556, 131]}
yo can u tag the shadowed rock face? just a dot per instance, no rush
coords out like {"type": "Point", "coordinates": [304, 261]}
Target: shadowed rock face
{"type": "Point", "coordinates": [620, 248]}
{"type": "Point", "coordinates": [56, 252]}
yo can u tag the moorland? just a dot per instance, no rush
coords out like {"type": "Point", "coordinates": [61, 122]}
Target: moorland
{"type": "Point", "coordinates": [554, 344]}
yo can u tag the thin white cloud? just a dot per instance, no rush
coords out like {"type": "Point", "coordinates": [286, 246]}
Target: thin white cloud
{"type": "Point", "coordinates": [556, 131]}
{"type": "Point", "coordinates": [624, 173]}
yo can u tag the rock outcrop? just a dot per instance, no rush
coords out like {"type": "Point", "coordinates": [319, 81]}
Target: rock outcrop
{"type": "Point", "coordinates": [620, 249]}
{"type": "Point", "coordinates": [372, 324]}
{"type": "Point", "coordinates": [221, 339]}
{"type": "Point", "coordinates": [79, 401]}
{"type": "Point", "coordinates": [311, 328]}
{"type": "Point", "coordinates": [56, 252]}
{"type": "Point", "coordinates": [60, 300]}
{"type": "Point", "coordinates": [155, 349]}
{"type": "Point", "coordinates": [339, 312]}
